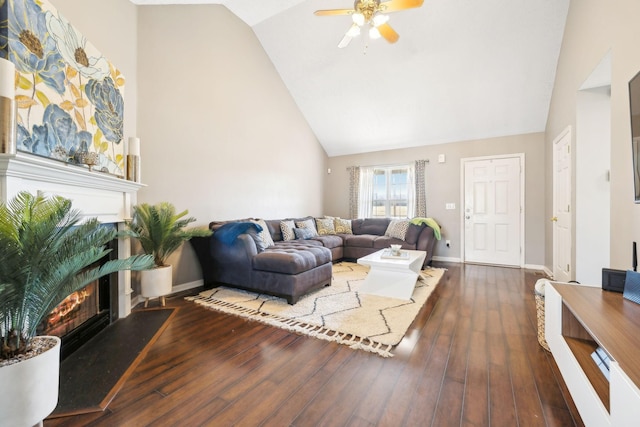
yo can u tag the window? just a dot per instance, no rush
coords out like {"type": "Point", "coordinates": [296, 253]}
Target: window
{"type": "Point", "coordinates": [386, 192]}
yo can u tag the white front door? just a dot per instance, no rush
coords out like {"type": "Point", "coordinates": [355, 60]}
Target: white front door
{"type": "Point", "coordinates": [493, 211]}
{"type": "Point", "coordinates": [562, 271]}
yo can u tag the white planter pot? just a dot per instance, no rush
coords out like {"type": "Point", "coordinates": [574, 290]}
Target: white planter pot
{"type": "Point", "coordinates": [30, 388]}
{"type": "Point", "coordinates": [156, 282]}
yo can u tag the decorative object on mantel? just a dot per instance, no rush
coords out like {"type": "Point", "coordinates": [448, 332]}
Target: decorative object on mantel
{"type": "Point", "coordinates": [7, 107]}
{"type": "Point", "coordinates": [133, 160]}
{"type": "Point", "coordinates": [69, 97]}
{"type": "Point", "coordinates": [46, 255]}
{"type": "Point", "coordinates": [160, 231]}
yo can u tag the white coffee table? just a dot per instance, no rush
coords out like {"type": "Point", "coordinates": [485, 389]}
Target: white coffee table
{"type": "Point", "coordinates": [392, 277]}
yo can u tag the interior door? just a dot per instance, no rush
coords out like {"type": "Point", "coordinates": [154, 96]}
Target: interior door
{"type": "Point", "coordinates": [562, 222]}
{"type": "Point", "coordinates": [493, 211]}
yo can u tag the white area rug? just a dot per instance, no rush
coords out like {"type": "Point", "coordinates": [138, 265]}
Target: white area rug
{"type": "Point", "coordinates": [336, 313]}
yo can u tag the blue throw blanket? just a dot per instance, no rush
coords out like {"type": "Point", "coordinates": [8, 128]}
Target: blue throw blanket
{"type": "Point", "coordinates": [227, 233]}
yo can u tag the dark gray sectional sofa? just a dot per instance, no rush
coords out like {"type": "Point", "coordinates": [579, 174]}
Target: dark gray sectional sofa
{"type": "Point", "coordinates": [292, 268]}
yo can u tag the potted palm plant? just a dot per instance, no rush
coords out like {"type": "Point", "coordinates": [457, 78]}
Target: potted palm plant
{"type": "Point", "coordinates": [161, 231]}
{"type": "Point", "coordinates": [47, 253]}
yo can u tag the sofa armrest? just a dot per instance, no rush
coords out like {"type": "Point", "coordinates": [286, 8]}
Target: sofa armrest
{"type": "Point", "coordinates": [201, 246]}
{"type": "Point", "coordinates": [426, 242]}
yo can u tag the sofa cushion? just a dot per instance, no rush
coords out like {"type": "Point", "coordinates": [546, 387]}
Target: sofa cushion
{"type": "Point", "coordinates": [290, 258]}
{"type": "Point", "coordinates": [307, 223]}
{"type": "Point", "coordinates": [325, 226]}
{"type": "Point", "coordinates": [265, 235]}
{"type": "Point", "coordinates": [286, 228]}
{"type": "Point", "coordinates": [331, 241]}
{"type": "Point", "coordinates": [384, 242]}
{"type": "Point", "coordinates": [304, 233]}
{"type": "Point", "coordinates": [397, 228]}
{"type": "Point", "coordinates": [359, 240]}
{"type": "Point", "coordinates": [376, 226]}
{"type": "Point", "coordinates": [342, 226]}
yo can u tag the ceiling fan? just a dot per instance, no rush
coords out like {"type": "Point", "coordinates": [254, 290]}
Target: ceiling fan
{"type": "Point", "coordinates": [371, 13]}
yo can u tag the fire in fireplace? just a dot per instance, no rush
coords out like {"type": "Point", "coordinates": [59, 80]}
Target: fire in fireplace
{"type": "Point", "coordinates": [86, 312]}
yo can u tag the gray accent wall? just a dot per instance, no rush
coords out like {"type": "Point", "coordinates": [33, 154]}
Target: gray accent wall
{"type": "Point", "coordinates": [444, 185]}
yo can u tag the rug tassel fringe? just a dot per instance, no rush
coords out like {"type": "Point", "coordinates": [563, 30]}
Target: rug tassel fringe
{"type": "Point", "coordinates": [353, 342]}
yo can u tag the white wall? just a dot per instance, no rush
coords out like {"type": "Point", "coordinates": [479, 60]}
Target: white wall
{"type": "Point", "coordinates": [220, 134]}
{"type": "Point", "coordinates": [595, 27]}
{"type": "Point", "coordinates": [593, 190]}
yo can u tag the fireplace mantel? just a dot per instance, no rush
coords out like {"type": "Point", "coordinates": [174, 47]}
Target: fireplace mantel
{"type": "Point", "coordinates": [95, 194]}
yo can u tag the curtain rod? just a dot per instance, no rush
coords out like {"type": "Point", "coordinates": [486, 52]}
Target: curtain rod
{"type": "Point", "coordinates": [385, 166]}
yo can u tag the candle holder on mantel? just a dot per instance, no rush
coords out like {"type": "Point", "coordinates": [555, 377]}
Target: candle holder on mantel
{"type": "Point", "coordinates": [8, 112]}
{"type": "Point", "coordinates": [133, 167]}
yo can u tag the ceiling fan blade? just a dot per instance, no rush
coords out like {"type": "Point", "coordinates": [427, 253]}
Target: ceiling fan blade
{"type": "Point", "coordinates": [332, 12]}
{"type": "Point", "coordinates": [396, 5]}
{"type": "Point", "coordinates": [388, 33]}
{"type": "Point", "coordinates": [345, 41]}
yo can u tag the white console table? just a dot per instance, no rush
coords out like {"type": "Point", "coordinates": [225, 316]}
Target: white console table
{"type": "Point", "coordinates": [578, 319]}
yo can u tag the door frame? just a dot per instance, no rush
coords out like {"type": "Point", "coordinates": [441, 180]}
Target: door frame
{"type": "Point", "coordinates": [463, 162]}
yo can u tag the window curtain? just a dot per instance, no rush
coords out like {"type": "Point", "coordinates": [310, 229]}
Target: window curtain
{"type": "Point", "coordinates": [365, 195]}
{"type": "Point", "coordinates": [411, 192]}
{"type": "Point", "coordinates": [421, 191]}
{"type": "Point", "coordinates": [354, 190]}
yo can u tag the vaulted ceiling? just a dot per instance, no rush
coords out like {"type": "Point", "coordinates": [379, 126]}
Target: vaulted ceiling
{"type": "Point", "coordinates": [461, 70]}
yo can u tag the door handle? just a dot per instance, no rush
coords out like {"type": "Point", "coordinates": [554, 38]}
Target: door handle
{"type": "Point", "coordinates": [467, 217]}
{"type": "Point", "coordinates": [554, 218]}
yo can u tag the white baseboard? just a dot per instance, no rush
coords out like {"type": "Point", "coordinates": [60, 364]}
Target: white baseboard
{"type": "Point", "coordinates": [536, 267]}
{"type": "Point", "coordinates": [446, 259]}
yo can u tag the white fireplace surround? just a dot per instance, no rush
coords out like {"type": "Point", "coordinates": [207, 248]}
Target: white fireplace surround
{"type": "Point", "coordinates": [95, 194]}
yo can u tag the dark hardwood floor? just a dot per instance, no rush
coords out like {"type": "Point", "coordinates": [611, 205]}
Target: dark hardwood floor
{"type": "Point", "coordinates": [471, 358]}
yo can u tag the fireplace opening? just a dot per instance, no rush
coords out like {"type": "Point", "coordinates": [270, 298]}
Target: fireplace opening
{"type": "Point", "coordinates": [86, 312]}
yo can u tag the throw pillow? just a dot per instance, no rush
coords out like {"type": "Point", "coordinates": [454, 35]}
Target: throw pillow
{"type": "Point", "coordinates": [325, 226]}
{"type": "Point", "coordinates": [286, 227]}
{"type": "Point", "coordinates": [397, 228]}
{"type": "Point", "coordinates": [632, 286]}
{"type": "Point", "coordinates": [308, 223]}
{"type": "Point", "coordinates": [257, 239]}
{"type": "Point", "coordinates": [342, 226]}
{"type": "Point", "coordinates": [304, 233]}
{"type": "Point", "coordinates": [265, 235]}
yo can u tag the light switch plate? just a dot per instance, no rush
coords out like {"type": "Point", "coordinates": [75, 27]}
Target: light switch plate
{"type": "Point", "coordinates": [450, 206]}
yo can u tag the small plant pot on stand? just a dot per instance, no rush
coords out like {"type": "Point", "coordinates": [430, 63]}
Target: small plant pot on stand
{"type": "Point", "coordinates": [31, 387]}
{"type": "Point", "coordinates": [156, 282]}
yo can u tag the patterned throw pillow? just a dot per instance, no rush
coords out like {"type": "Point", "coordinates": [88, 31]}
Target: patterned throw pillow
{"type": "Point", "coordinates": [286, 227]}
{"type": "Point", "coordinates": [325, 226]}
{"type": "Point", "coordinates": [264, 234]}
{"type": "Point", "coordinates": [342, 226]}
{"type": "Point", "coordinates": [308, 223]}
{"type": "Point", "coordinates": [304, 233]}
{"type": "Point", "coordinates": [397, 228]}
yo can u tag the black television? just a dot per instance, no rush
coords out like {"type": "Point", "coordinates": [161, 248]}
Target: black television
{"type": "Point", "coordinates": [634, 101]}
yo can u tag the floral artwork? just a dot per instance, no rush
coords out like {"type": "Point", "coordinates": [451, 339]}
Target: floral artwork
{"type": "Point", "coordinates": [69, 96]}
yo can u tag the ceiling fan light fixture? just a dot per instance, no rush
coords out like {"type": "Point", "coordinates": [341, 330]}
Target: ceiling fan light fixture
{"type": "Point", "coordinates": [374, 33]}
{"type": "Point", "coordinates": [380, 19]}
{"type": "Point", "coordinates": [358, 18]}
